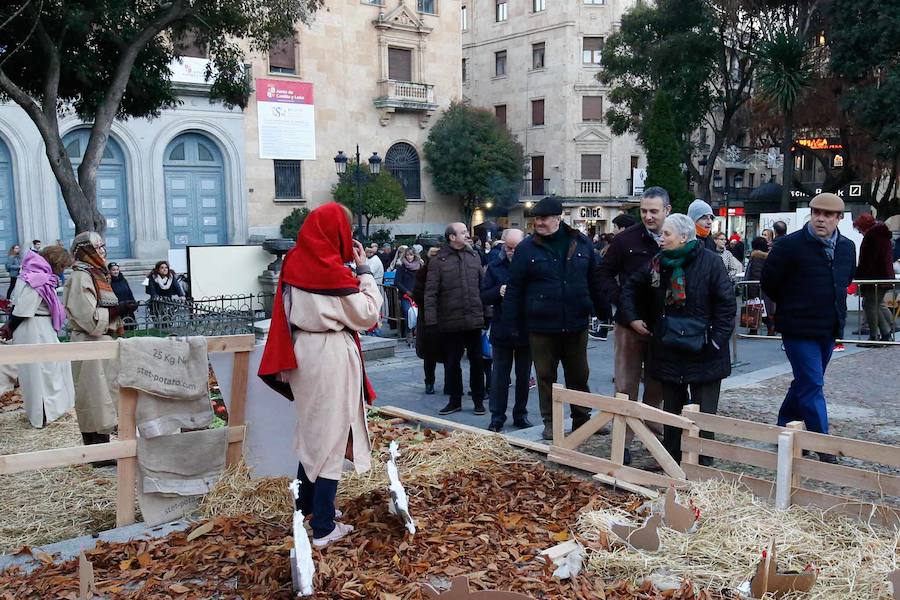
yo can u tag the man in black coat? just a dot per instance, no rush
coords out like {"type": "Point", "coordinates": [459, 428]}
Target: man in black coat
{"type": "Point", "coordinates": [453, 305]}
{"type": "Point", "coordinates": [508, 346]}
{"type": "Point", "coordinates": [551, 292]}
{"type": "Point", "coordinates": [629, 253]}
{"type": "Point", "coordinates": [807, 274]}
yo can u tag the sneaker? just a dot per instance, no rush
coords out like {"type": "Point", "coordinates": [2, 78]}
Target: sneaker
{"type": "Point", "coordinates": [532, 383]}
{"type": "Point", "coordinates": [523, 423]}
{"type": "Point", "coordinates": [595, 333]}
{"type": "Point", "coordinates": [495, 427]}
{"type": "Point", "coordinates": [340, 530]}
{"type": "Point", "coordinates": [452, 407]}
{"type": "Point", "coordinates": [603, 334]}
{"type": "Point", "coordinates": [429, 389]}
{"type": "Point", "coordinates": [479, 408]}
{"type": "Point", "coordinates": [839, 348]}
{"type": "Point", "coordinates": [547, 434]}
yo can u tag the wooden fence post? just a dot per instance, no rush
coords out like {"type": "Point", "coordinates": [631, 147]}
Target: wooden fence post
{"type": "Point", "coordinates": [785, 474]}
{"type": "Point", "coordinates": [798, 448]}
{"type": "Point", "coordinates": [558, 416]}
{"type": "Point", "coordinates": [690, 458]}
{"type": "Point", "coordinates": [238, 411]}
{"type": "Point", "coordinates": [617, 454]}
{"type": "Point", "coordinates": [126, 468]}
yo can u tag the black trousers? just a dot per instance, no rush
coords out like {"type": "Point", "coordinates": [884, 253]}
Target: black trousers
{"type": "Point", "coordinates": [317, 499]}
{"type": "Point", "coordinates": [455, 344]}
{"type": "Point", "coordinates": [500, 380]}
{"type": "Point", "coordinates": [12, 284]}
{"type": "Point", "coordinates": [675, 397]}
{"type": "Point", "coordinates": [570, 349]}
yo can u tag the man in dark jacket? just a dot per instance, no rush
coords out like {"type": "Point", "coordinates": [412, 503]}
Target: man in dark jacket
{"type": "Point", "coordinates": [551, 291]}
{"type": "Point", "coordinates": [807, 274]}
{"type": "Point", "coordinates": [453, 304]}
{"type": "Point", "coordinates": [630, 253]}
{"type": "Point", "coordinates": [508, 346]}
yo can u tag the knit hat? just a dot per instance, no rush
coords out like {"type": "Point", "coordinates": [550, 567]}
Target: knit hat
{"type": "Point", "coordinates": [699, 208]}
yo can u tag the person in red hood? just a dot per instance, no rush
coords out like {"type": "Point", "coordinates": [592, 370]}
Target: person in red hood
{"type": "Point", "coordinates": [313, 357]}
{"type": "Point", "coordinates": [875, 263]}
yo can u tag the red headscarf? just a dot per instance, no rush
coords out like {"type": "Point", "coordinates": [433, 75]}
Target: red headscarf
{"type": "Point", "coordinates": [315, 264]}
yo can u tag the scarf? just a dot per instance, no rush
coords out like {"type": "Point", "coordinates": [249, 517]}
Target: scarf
{"type": "Point", "coordinates": [316, 264]}
{"type": "Point", "coordinates": [829, 243]}
{"type": "Point", "coordinates": [37, 273]}
{"type": "Point", "coordinates": [702, 232]}
{"type": "Point", "coordinates": [164, 283]}
{"type": "Point", "coordinates": [89, 261]}
{"type": "Point", "coordinates": [675, 259]}
{"type": "Point", "coordinates": [412, 265]}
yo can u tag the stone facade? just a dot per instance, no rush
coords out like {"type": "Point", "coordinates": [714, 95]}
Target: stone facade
{"type": "Point", "coordinates": [345, 54]}
{"type": "Point", "coordinates": [583, 162]}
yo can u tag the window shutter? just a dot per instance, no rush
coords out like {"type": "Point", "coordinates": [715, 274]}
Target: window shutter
{"type": "Point", "coordinates": [591, 108]}
{"type": "Point", "coordinates": [537, 112]}
{"type": "Point", "coordinates": [500, 111]}
{"type": "Point", "coordinates": [400, 64]}
{"type": "Point", "coordinates": [590, 166]}
{"type": "Point", "coordinates": [283, 55]}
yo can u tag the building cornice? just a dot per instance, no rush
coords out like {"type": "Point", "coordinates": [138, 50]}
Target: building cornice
{"type": "Point", "coordinates": [512, 36]}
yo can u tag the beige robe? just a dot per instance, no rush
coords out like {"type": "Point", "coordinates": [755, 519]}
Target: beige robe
{"type": "Point", "coordinates": [327, 383]}
{"type": "Point", "coordinates": [47, 389]}
{"type": "Point", "coordinates": [96, 390]}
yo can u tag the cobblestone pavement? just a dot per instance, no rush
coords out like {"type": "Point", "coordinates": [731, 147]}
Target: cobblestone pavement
{"type": "Point", "coordinates": [862, 388]}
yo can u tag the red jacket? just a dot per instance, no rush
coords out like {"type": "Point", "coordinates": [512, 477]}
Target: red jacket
{"type": "Point", "coordinates": [875, 254]}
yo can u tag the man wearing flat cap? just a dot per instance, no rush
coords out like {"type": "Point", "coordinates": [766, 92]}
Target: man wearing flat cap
{"type": "Point", "coordinates": [552, 290]}
{"type": "Point", "coordinates": [807, 274]}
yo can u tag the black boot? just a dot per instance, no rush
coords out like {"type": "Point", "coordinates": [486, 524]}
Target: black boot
{"type": "Point", "coordinates": [90, 439]}
{"type": "Point", "coordinates": [429, 388]}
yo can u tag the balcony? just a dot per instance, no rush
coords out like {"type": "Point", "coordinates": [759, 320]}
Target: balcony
{"type": "Point", "coordinates": [535, 187]}
{"type": "Point", "coordinates": [405, 96]}
{"type": "Point", "coordinates": [591, 187]}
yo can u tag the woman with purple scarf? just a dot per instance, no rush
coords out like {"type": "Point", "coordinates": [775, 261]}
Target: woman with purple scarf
{"type": "Point", "coordinates": [47, 388]}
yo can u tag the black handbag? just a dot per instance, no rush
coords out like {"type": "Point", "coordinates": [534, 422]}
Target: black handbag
{"type": "Point", "coordinates": [688, 334]}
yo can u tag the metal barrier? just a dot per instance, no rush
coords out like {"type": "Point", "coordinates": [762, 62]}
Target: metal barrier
{"type": "Point", "coordinates": [393, 313]}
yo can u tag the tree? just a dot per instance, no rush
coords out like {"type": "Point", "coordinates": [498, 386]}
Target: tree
{"type": "Point", "coordinates": [784, 74]}
{"type": "Point", "coordinates": [291, 224]}
{"type": "Point", "coordinates": [659, 137]}
{"type": "Point", "coordinates": [382, 195]}
{"type": "Point", "coordinates": [472, 156]}
{"type": "Point", "coordinates": [109, 59]}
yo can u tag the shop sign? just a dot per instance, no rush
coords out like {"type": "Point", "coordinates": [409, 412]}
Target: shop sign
{"type": "Point", "coordinates": [820, 143]}
{"type": "Point", "coordinates": [590, 213]}
{"type": "Point", "coordinates": [732, 212]}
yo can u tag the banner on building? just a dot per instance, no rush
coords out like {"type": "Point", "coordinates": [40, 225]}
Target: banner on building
{"type": "Point", "coordinates": [286, 120]}
{"type": "Point", "coordinates": [638, 176]}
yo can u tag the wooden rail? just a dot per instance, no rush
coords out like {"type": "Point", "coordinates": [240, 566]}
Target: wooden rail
{"type": "Point", "coordinates": [124, 450]}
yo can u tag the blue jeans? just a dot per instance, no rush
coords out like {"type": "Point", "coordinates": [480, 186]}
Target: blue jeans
{"type": "Point", "coordinates": [500, 380]}
{"type": "Point", "coordinates": [805, 399]}
{"type": "Point", "coordinates": [317, 498]}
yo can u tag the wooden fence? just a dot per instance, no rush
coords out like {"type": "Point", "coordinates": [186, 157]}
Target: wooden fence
{"type": "Point", "coordinates": [124, 449]}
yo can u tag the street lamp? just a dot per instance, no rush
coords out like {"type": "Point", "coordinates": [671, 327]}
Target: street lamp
{"type": "Point", "coordinates": [340, 166]}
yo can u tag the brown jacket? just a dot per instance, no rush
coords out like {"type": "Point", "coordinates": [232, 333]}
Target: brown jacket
{"type": "Point", "coordinates": [453, 291]}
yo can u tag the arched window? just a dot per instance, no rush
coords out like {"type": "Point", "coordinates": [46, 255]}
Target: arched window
{"type": "Point", "coordinates": [402, 161]}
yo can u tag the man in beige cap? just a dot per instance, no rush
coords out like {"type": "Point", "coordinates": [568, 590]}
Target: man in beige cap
{"type": "Point", "coordinates": [807, 274]}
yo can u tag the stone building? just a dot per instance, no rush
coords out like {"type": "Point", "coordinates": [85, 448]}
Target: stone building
{"type": "Point", "coordinates": [193, 175]}
{"type": "Point", "coordinates": [534, 63]}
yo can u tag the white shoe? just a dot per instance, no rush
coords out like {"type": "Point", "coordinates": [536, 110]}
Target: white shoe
{"type": "Point", "coordinates": [340, 530]}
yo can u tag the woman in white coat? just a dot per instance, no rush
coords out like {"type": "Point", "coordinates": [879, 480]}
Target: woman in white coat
{"type": "Point", "coordinates": [38, 315]}
{"type": "Point", "coordinates": [313, 357]}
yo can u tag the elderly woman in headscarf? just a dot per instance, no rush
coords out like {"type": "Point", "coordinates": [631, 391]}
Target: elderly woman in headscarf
{"type": "Point", "coordinates": [38, 316]}
{"type": "Point", "coordinates": [313, 357]}
{"type": "Point", "coordinates": [95, 314]}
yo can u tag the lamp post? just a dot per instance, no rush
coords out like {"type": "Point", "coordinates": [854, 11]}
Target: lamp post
{"type": "Point", "coordinates": [738, 183]}
{"type": "Point", "coordinates": [340, 165]}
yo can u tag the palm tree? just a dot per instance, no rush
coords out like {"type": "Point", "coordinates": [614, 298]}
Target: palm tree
{"type": "Point", "coordinates": [784, 71]}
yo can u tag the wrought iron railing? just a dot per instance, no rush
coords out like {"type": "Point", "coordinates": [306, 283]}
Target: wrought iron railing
{"type": "Point", "coordinates": [535, 187]}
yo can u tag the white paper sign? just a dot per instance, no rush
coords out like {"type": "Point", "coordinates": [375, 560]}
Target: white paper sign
{"type": "Point", "coordinates": [286, 120]}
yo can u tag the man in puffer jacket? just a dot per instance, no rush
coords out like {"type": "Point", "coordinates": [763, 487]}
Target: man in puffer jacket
{"type": "Point", "coordinates": [553, 287]}
{"type": "Point", "coordinates": [807, 274]}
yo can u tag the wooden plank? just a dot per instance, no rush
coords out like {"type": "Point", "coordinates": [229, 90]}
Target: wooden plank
{"type": "Point", "coordinates": [414, 416]}
{"type": "Point", "coordinates": [126, 468]}
{"type": "Point", "coordinates": [881, 483]}
{"type": "Point", "coordinates": [760, 488]}
{"type": "Point", "coordinates": [595, 464]}
{"type": "Point", "coordinates": [622, 407]}
{"type": "Point", "coordinates": [592, 426]}
{"type": "Point", "coordinates": [37, 353]}
{"type": "Point", "coordinates": [617, 448]}
{"type": "Point", "coordinates": [785, 472]}
{"type": "Point", "coordinates": [79, 455]}
{"type": "Point", "coordinates": [747, 430]}
{"type": "Point", "coordinates": [732, 452]}
{"type": "Point", "coordinates": [558, 414]}
{"type": "Point", "coordinates": [662, 456]}
{"type": "Point", "coordinates": [883, 454]}
{"type": "Point", "coordinates": [629, 487]}
{"type": "Point", "coordinates": [691, 458]}
{"type": "Point", "coordinates": [798, 451]}
{"type": "Point", "coordinates": [879, 514]}
{"type": "Point", "coordinates": [238, 410]}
